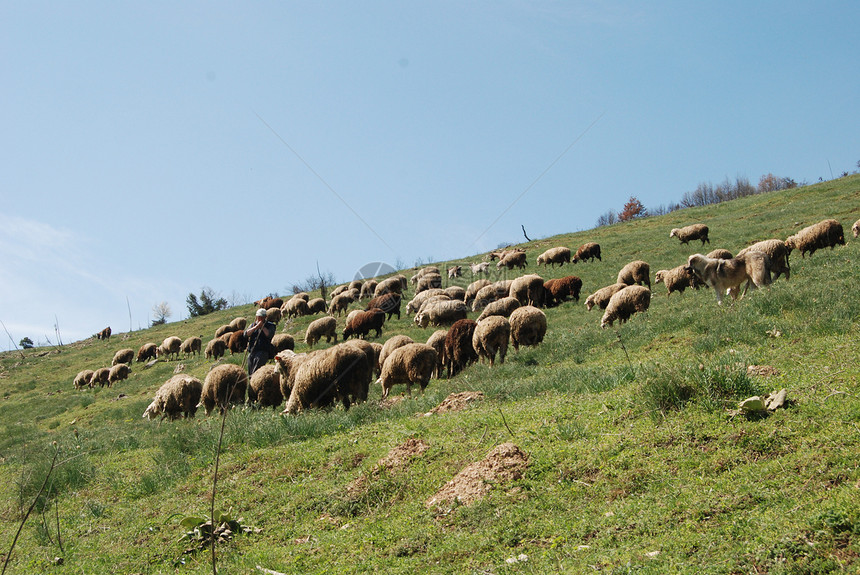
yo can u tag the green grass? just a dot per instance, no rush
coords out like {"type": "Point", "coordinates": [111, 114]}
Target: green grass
{"type": "Point", "coordinates": [636, 463]}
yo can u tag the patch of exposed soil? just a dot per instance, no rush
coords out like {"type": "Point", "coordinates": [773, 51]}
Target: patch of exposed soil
{"type": "Point", "coordinates": [762, 370]}
{"type": "Point", "coordinates": [398, 458]}
{"type": "Point", "coordinates": [502, 465]}
{"type": "Point", "coordinates": [457, 402]}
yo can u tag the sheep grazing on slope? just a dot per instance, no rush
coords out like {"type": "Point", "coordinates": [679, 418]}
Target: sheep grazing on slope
{"type": "Point", "coordinates": [824, 234]}
{"type": "Point", "coordinates": [587, 251]}
{"type": "Point", "coordinates": [322, 327]}
{"type": "Point", "coordinates": [601, 297]}
{"type": "Point", "coordinates": [224, 329]}
{"type": "Point", "coordinates": [237, 343]}
{"type": "Point", "coordinates": [556, 291]}
{"type": "Point", "coordinates": [364, 321]}
{"type": "Point", "coordinates": [479, 268]}
{"type": "Point", "coordinates": [297, 307]}
{"type": "Point", "coordinates": [459, 352]}
{"type": "Point", "coordinates": [239, 323]}
{"type": "Point", "coordinates": [224, 385]}
{"type": "Point", "coordinates": [274, 315]}
{"type": "Point", "coordinates": [215, 348]}
{"type": "Point", "coordinates": [117, 373]}
{"type": "Point", "coordinates": [437, 342]}
{"type": "Point", "coordinates": [473, 288]}
{"type": "Point", "coordinates": [340, 303]}
{"type": "Point", "coordinates": [855, 229]}
{"type": "Point", "coordinates": [264, 388]}
{"type": "Point", "coordinates": [691, 233]}
{"type": "Point", "coordinates": [720, 254]}
{"type": "Point", "coordinates": [388, 285]}
{"type": "Point", "coordinates": [558, 255]}
{"type": "Point", "coordinates": [287, 363]}
{"type": "Point", "coordinates": [191, 346]}
{"type": "Point", "coordinates": [339, 290]}
{"type": "Point", "coordinates": [491, 293]}
{"type": "Point", "coordinates": [269, 302]}
{"type": "Point", "coordinates": [428, 281]}
{"type": "Point", "coordinates": [503, 307]}
{"type": "Point", "coordinates": [123, 356]}
{"type": "Point", "coordinates": [677, 279]}
{"type": "Point", "coordinates": [367, 289]}
{"type": "Point", "coordinates": [414, 305]}
{"type": "Point", "coordinates": [491, 336]}
{"type": "Point", "coordinates": [456, 292]}
{"type": "Point", "coordinates": [282, 341]}
{"type": "Point", "coordinates": [355, 284]}
{"type": "Point", "coordinates": [513, 260]}
{"type": "Point", "coordinates": [528, 290]}
{"type": "Point", "coordinates": [170, 346]}
{"type": "Point", "coordinates": [776, 251]}
{"type": "Point", "coordinates": [83, 379]}
{"type": "Point", "coordinates": [100, 376]}
{"type": "Point", "coordinates": [441, 313]}
{"type": "Point", "coordinates": [429, 270]}
{"type": "Point", "coordinates": [625, 303]}
{"type": "Point", "coordinates": [177, 397]}
{"type": "Point", "coordinates": [389, 303]}
{"type": "Point", "coordinates": [327, 376]}
{"type": "Point", "coordinates": [391, 344]}
{"type": "Point", "coordinates": [413, 363]}
{"type": "Point", "coordinates": [528, 326]}
{"type": "Point", "coordinates": [146, 351]}
{"type": "Point", "coordinates": [104, 334]}
{"type": "Point", "coordinates": [455, 272]}
{"type": "Point", "coordinates": [636, 272]}
{"type": "Point", "coordinates": [359, 392]}
{"type": "Point", "coordinates": [317, 305]}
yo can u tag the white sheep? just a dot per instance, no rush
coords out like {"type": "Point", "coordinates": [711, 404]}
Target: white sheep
{"type": "Point", "coordinates": [123, 356]}
{"type": "Point", "coordinates": [170, 346]}
{"type": "Point", "coordinates": [503, 307]}
{"type": "Point", "coordinates": [491, 336]}
{"type": "Point", "coordinates": [690, 233]}
{"type": "Point", "coordinates": [413, 363]}
{"type": "Point", "coordinates": [601, 297]}
{"type": "Point", "coordinates": [178, 396]}
{"type": "Point", "coordinates": [322, 327]}
{"type": "Point", "coordinates": [636, 272]}
{"type": "Point", "coordinates": [559, 255]}
{"type": "Point", "coordinates": [441, 313]}
{"type": "Point", "coordinates": [528, 326]}
{"type": "Point", "coordinates": [625, 303]}
{"type": "Point", "coordinates": [824, 234]}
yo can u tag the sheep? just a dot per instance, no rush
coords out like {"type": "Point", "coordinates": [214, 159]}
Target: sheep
{"type": "Point", "coordinates": [776, 251]}
{"type": "Point", "coordinates": [441, 312]}
{"type": "Point", "coordinates": [264, 387]}
{"type": "Point", "coordinates": [479, 268]}
{"type": "Point", "coordinates": [363, 322]}
{"type": "Point", "coordinates": [513, 260]}
{"type": "Point", "coordinates": [273, 314]}
{"type": "Point", "coordinates": [601, 297]}
{"type": "Point", "coordinates": [416, 302]}
{"type": "Point", "coordinates": [677, 279]}
{"type": "Point", "coordinates": [367, 289]}
{"type": "Point", "coordinates": [388, 285]}
{"type": "Point", "coordinates": [146, 351]}
{"type": "Point", "coordinates": [556, 291]}
{"type": "Point", "coordinates": [528, 290]}
{"type": "Point", "coordinates": [428, 281]}
{"type": "Point", "coordinates": [501, 254]}
{"type": "Point", "coordinates": [224, 385]}
{"type": "Point", "coordinates": [100, 376]}
{"type": "Point", "coordinates": [455, 272]}
{"type": "Point", "coordinates": [690, 233]}
{"type": "Point", "coordinates": [118, 373]}
{"type": "Point", "coordinates": [328, 375]}
{"type": "Point", "coordinates": [123, 356]}
{"type": "Point", "coordinates": [178, 396]}
{"type": "Point", "coordinates": [625, 303]}
{"type": "Point", "coordinates": [558, 255]}
{"type": "Point", "coordinates": [456, 292]}
{"type": "Point", "coordinates": [324, 326]}
{"type": "Point", "coordinates": [269, 302]}
{"type": "Point", "coordinates": [437, 342]}
{"type": "Point", "coordinates": [287, 363]}
{"type": "Point", "coordinates": [224, 329]}
{"type": "Point", "coordinates": [170, 346]}
{"type": "Point", "coordinates": [298, 307]}
{"type": "Point", "coordinates": [239, 323]}
{"type": "Point", "coordinates": [855, 229]}
{"type": "Point", "coordinates": [459, 352]}
{"type": "Point", "coordinates": [429, 270]}
{"type": "Point", "coordinates": [473, 288]}
{"type": "Point", "coordinates": [339, 303]}
{"type": "Point", "coordinates": [104, 334]}
{"type": "Point", "coordinates": [636, 272]}
{"type": "Point", "coordinates": [339, 290]}
{"type": "Point", "coordinates": [485, 296]}
{"type": "Point", "coordinates": [282, 341]}
{"type": "Point", "coordinates": [720, 254]}
{"type": "Point", "coordinates": [824, 234]}
{"type": "Point", "coordinates": [587, 251]}
{"type": "Point", "coordinates": [355, 284]}
{"type": "Point", "coordinates": [389, 303]}
{"type": "Point", "coordinates": [491, 336]}
{"type": "Point", "coordinates": [502, 307]}
{"type": "Point", "coordinates": [528, 326]}
{"type": "Point", "coordinates": [191, 346]}
{"type": "Point", "coordinates": [390, 345]}
{"type": "Point", "coordinates": [226, 337]}
{"type": "Point", "coordinates": [237, 343]}
{"type": "Point", "coordinates": [411, 364]}
{"type": "Point", "coordinates": [358, 393]}
{"type": "Point", "coordinates": [215, 348]}
{"type": "Point", "coordinates": [317, 305]}
{"type": "Point", "coordinates": [83, 379]}
{"type": "Point", "coordinates": [302, 295]}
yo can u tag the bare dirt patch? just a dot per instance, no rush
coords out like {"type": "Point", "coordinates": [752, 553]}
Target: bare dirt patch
{"type": "Point", "coordinates": [457, 402]}
{"type": "Point", "coordinates": [398, 457]}
{"type": "Point", "coordinates": [502, 465]}
{"type": "Point", "coordinates": [762, 370]}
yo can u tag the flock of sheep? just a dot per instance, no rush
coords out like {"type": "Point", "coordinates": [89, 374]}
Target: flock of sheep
{"type": "Point", "coordinates": [510, 313]}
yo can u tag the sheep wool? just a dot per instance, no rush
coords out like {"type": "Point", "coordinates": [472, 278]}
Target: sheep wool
{"type": "Point", "coordinates": [123, 356]}
{"type": "Point", "coordinates": [690, 233]}
{"type": "Point", "coordinates": [677, 279]}
{"type": "Point", "coordinates": [215, 348]}
{"type": "Point", "coordinates": [636, 272]}
{"type": "Point", "coordinates": [147, 351]}
{"type": "Point", "coordinates": [390, 345]}
{"type": "Point", "coordinates": [319, 328]}
{"type": "Point", "coordinates": [411, 364]}
{"type": "Point", "coordinates": [437, 342]}
{"type": "Point", "coordinates": [327, 376]}
{"type": "Point", "coordinates": [224, 385]}
{"type": "Point", "coordinates": [264, 388]}
{"type": "Point", "coordinates": [177, 397]}
{"type": "Point", "coordinates": [625, 303]}
{"type": "Point", "coordinates": [528, 326]}
{"type": "Point", "coordinates": [558, 255]}
{"type": "Point", "coordinates": [170, 346]}
{"type": "Point", "coordinates": [83, 379]}
{"type": "Point", "coordinates": [528, 290]}
{"type": "Point", "coordinates": [441, 313]}
{"type": "Point", "coordinates": [117, 373]}
{"type": "Point", "coordinates": [557, 291]}
{"type": "Point", "coordinates": [601, 297]}
{"type": "Point", "coordinates": [587, 251]}
{"type": "Point", "coordinates": [191, 346]}
{"type": "Point", "coordinates": [504, 307]}
{"type": "Point", "coordinates": [491, 337]}
{"type": "Point", "coordinates": [459, 352]}
{"type": "Point", "coordinates": [824, 234]}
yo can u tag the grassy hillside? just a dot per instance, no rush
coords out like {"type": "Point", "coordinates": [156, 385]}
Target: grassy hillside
{"type": "Point", "coordinates": [635, 461]}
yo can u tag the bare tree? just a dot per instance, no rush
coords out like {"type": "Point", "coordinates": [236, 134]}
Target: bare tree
{"type": "Point", "coordinates": [161, 311]}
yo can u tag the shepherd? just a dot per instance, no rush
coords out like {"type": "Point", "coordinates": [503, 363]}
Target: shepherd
{"type": "Point", "coordinates": [259, 338]}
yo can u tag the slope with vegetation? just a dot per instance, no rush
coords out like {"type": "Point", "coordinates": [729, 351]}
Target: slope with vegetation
{"type": "Point", "coordinates": [637, 461]}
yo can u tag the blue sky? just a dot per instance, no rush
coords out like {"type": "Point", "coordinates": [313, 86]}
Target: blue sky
{"type": "Point", "coordinates": [150, 149]}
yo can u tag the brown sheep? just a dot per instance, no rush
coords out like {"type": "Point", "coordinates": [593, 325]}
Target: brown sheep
{"type": "Point", "coordinates": [264, 388]}
{"type": "Point", "coordinates": [636, 272]}
{"type": "Point", "coordinates": [824, 234]}
{"type": "Point", "coordinates": [776, 251]}
{"type": "Point", "coordinates": [528, 326]}
{"type": "Point", "coordinates": [146, 351]}
{"type": "Point", "coordinates": [224, 385]}
{"type": "Point", "coordinates": [389, 303]}
{"type": "Point", "coordinates": [215, 348]}
{"type": "Point", "coordinates": [104, 334]}
{"type": "Point", "coordinates": [587, 251]}
{"type": "Point", "coordinates": [237, 343]}
{"type": "Point", "coordinates": [123, 356]}
{"type": "Point", "coordinates": [625, 303]}
{"type": "Point", "coordinates": [322, 327]}
{"type": "Point", "coordinates": [178, 396]}
{"type": "Point", "coordinates": [556, 291]}
{"type": "Point", "coordinates": [411, 364]}
{"type": "Point", "coordinates": [690, 233]}
{"type": "Point", "coordinates": [364, 321]}
{"type": "Point", "coordinates": [491, 336]}
{"type": "Point", "coordinates": [459, 352]}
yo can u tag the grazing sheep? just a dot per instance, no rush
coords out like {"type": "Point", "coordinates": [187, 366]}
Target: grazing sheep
{"type": "Point", "coordinates": [587, 251]}
{"type": "Point", "coordinates": [513, 260]}
{"type": "Point", "coordinates": [411, 364]}
{"type": "Point", "coordinates": [437, 342]}
{"type": "Point", "coordinates": [855, 229]}
{"type": "Point", "coordinates": [503, 307]}
{"type": "Point", "coordinates": [556, 291]}
{"type": "Point", "coordinates": [456, 292]}
{"type": "Point", "coordinates": [528, 290]}
{"type": "Point", "coordinates": [123, 356]}
{"type": "Point", "coordinates": [601, 297]}
{"type": "Point", "coordinates": [340, 303]}
{"type": "Point", "coordinates": [224, 329]}
{"type": "Point", "coordinates": [455, 272]}
{"type": "Point", "coordinates": [215, 348]}
{"type": "Point", "coordinates": [83, 379]}
{"type": "Point", "coordinates": [177, 397]}
{"type": "Point", "coordinates": [273, 314]}
{"type": "Point", "coordinates": [324, 326]}
{"type": "Point", "coordinates": [625, 303]}
{"type": "Point", "coordinates": [428, 281]}
{"type": "Point", "coordinates": [117, 373]}
{"type": "Point", "coordinates": [146, 351]}
{"type": "Point", "coordinates": [720, 254]}
{"type": "Point", "coordinates": [491, 336]}
{"type": "Point", "coordinates": [367, 289]}
{"type": "Point", "coordinates": [358, 393]}
{"type": "Point", "coordinates": [239, 323]}
{"type": "Point", "coordinates": [824, 234]}
{"type": "Point", "coordinates": [388, 285]}
{"type": "Point", "coordinates": [485, 296]}
{"type": "Point", "coordinates": [191, 346]}
{"type": "Point", "coordinates": [104, 334]}
{"type": "Point", "coordinates": [690, 233]}
{"type": "Point", "coordinates": [459, 352]}
{"type": "Point", "coordinates": [283, 341]}
{"type": "Point", "coordinates": [287, 363]}
{"type": "Point", "coordinates": [528, 326]}
{"type": "Point", "coordinates": [473, 288]}
{"type": "Point", "coordinates": [776, 251]}
{"type": "Point", "coordinates": [391, 344]}
{"type": "Point", "coordinates": [636, 272]}
{"type": "Point", "coordinates": [441, 313]}
{"type": "Point", "coordinates": [377, 351]}
{"type": "Point", "coordinates": [364, 321]}
{"type": "Point", "coordinates": [339, 290]}
{"type": "Point", "coordinates": [479, 268]}
{"type": "Point", "coordinates": [677, 279]}
{"type": "Point", "coordinates": [327, 376]}
{"type": "Point", "coordinates": [100, 376]}
{"type": "Point", "coordinates": [298, 307]}
{"type": "Point", "coordinates": [355, 284]}
{"type": "Point", "coordinates": [264, 388]}
{"type": "Point", "coordinates": [237, 343]}
{"type": "Point", "coordinates": [170, 346]}
{"type": "Point", "coordinates": [226, 337]}
{"type": "Point", "coordinates": [558, 255]}
{"type": "Point", "coordinates": [317, 305]}
{"type": "Point", "coordinates": [414, 305]}
{"type": "Point", "coordinates": [224, 385]}
{"type": "Point", "coordinates": [389, 303]}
